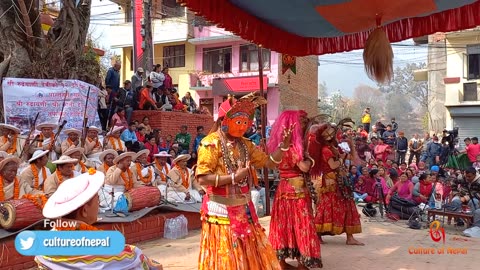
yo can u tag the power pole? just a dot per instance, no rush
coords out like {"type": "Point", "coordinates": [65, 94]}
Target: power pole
{"type": "Point", "coordinates": [147, 44]}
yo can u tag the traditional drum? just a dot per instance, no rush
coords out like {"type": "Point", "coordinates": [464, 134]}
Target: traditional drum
{"type": "Point", "coordinates": [18, 214]}
{"type": "Point", "coordinates": [142, 197]}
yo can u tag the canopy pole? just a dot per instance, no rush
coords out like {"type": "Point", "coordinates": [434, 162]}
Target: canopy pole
{"type": "Point", "coordinates": [263, 116]}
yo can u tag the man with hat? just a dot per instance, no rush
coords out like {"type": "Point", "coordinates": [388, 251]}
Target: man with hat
{"type": "Point", "coordinates": [65, 170]}
{"type": "Point", "coordinates": [137, 79]}
{"type": "Point", "coordinates": [77, 153]}
{"type": "Point", "coordinates": [141, 169]}
{"type": "Point", "coordinates": [92, 143]}
{"type": "Point", "coordinates": [9, 182]}
{"type": "Point", "coordinates": [44, 140]}
{"type": "Point", "coordinates": [9, 141]}
{"type": "Point", "coordinates": [36, 174]}
{"type": "Point", "coordinates": [73, 139]}
{"type": "Point", "coordinates": [113, 140]}
{"type": "Point", "coordinates": [81, 206]}
{"type": "Point", "coordinates": [120, 174]}
{"type": "Point", "coordinates": [107, 157]}
{"type": "Point", "coordinates": [182, 188]}
{"type": "Point", "coordinates": [162, 168]}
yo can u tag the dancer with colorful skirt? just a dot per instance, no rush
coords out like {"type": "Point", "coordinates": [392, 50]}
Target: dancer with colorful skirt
{"type": "Point", "coordinates": [336, 212]}
{"type": "Point", "coordinates": [292, 230]}
{"type": "Point", "coordinates": [232, 238]}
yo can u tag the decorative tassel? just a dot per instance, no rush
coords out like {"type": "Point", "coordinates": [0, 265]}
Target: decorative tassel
{"type": "Point", "coordinates": [378, 57]}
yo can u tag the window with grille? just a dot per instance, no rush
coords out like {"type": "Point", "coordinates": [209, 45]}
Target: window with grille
{"type": "Point", "coordinates": [174, 56]}
{"type": "Point", "coordinates": [217, 60]}
{"type": "Point", "coordinates": [249, 58]}
{"type": "Point", "coordinates": [472, 62]}
{"type": "Point", "coordinates": [470, 91]}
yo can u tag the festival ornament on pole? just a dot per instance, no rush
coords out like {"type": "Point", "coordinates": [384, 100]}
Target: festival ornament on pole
{"type": "Point", "coordinates": [378, 55]}
{"type": "Point", "coordinates": [289, 62]}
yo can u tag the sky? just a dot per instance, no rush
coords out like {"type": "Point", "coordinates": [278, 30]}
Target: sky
{"type": "Point", "coordinates": [341, 71]}
{"type": "Point", "coordinates": [345, 71]}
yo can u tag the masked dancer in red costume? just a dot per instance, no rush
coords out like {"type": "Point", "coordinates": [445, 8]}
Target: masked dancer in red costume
{"type": "Point", "coordinates": [232, 238]}
{"type": "Point", "coordinates": [292, 230]}
{"type": "Point", "coordinates": [336, 211]}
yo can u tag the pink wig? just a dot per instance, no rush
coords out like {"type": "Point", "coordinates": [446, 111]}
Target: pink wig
{"type": "Point", "coordinates": [285, 120]}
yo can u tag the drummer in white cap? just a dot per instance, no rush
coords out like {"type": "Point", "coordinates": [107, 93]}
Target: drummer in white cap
{"type": "Point", "coordinates": [78, 201]}
{"type": "Point", "coordinates": [9, 141]}
{"type": "Point", "coordinates": [120, 175]}
{"type": "Point", "coordinates": [64, 171]}
{"type": "Point", "coordinates": [10, 184]}
{"type": "Point", "coordinates": [113, 140]}
{"type": "Point", "coordinates": [183, 186]}
{"type": "Point", "coordinates": [36, 173]}
{"type": "Point", "coordinates": [77, 153]}
{"type": "Point", "coordinates": [141, 169]}
{"type": "Point", "coordinates": [162, 168]}
{"type": "Point", "coordinates": [107, 157]}
{"type": "Point", "coordinates": [73, 139]}
{"type": "Point", "coordinates": [44, 140]}
{"type": "Point", "coordinates": [93, 145]}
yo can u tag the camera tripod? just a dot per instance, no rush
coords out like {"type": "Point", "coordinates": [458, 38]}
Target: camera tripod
{"type": "Point", "coordinates": [382, 204]}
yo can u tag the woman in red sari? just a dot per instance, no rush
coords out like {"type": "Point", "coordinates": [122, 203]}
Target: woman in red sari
{"type": "Point", "coordinates": [292, 231]}
{"type": "Point", "coordinates": [336, 211]}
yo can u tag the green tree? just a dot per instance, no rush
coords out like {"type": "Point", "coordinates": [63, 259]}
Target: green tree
{"type": "Point", "coordinates": [403, 83]}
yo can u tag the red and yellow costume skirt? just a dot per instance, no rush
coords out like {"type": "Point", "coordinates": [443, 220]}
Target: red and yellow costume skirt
{"type": "Point", "coordinates": [232, 238]}
{"type": "Point", "coordinates": [292, 230]}
{"type": "Point", "coordinates": [220, 250]}
{"type": "Point", "coordinates": [335, 214]}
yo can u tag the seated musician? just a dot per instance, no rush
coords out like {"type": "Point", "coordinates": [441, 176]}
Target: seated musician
{"type": "Point", "coordinates": [162, 168]}
{"type": "Point", "coordinates": [113, 140]}
{"type": "Point", "coordinates": [9, 141]}
{"type": "Point", "coordinates": [145, 175]}
{"type": "Point", "coordinates": [65, 170]}
{"type": "Point", "coordinates": [33, 177]}
{"type": "Point", "coordinates": [44, 141]}
{"type": "Point", "coordinates": [92, 143]}
{"type": "Point", "coordinates": [82, 206]}
{"type": "Point", "coordinates": [181, 186]}
{"type": "Point", "coordinates": [9, 182]}
{"type": "Point", "coordinates": [72, 141]}
{"type": "Point", "coordinates": [107, 157]}
{"type": "Point", "coordinates": [120, 175]}
{"type": "Point", "coordinates": [77, 153]}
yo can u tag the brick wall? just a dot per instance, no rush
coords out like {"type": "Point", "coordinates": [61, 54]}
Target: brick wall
{"type": "Point", "coordinates": [170, 122]}
{"type": "Point", "coordinates": [146, 228]}
{"type": "Point", "coordinates": [302, 91]}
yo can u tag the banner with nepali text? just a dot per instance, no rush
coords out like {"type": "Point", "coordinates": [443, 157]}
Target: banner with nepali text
{"type": "Point", "coordinates": [23, 98]}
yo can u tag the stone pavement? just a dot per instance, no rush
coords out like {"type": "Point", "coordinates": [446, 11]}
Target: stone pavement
{"type": "Point", "coordinates": [387, 247]}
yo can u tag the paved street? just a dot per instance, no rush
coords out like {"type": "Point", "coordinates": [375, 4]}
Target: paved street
{"type": "Point", "coordinates": [387, 247]}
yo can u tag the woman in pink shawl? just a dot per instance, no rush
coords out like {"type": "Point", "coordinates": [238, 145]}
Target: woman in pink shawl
{"type": "Point", "coordinates": [382, 150]}
{"type": "Point", "coordinates": [403, 188]}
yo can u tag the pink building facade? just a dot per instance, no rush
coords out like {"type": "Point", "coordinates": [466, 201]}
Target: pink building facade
{"type": "Point", "coordinates": [226, 64]}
